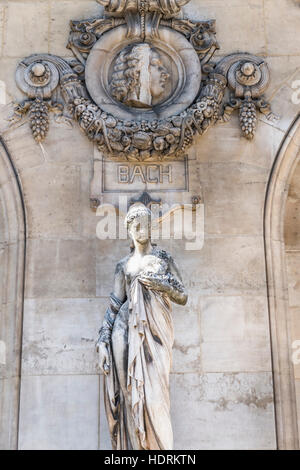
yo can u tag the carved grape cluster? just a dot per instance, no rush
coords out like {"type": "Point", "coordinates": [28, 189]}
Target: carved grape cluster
{"type": "Point", "coordinates": [87, 118]}
{"type": "Point", "coordinates": [248, 118]}
{"type": "Point", "coordinates": [39, 119]}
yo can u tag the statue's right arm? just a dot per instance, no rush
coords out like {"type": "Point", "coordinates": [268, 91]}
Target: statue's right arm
{"type": "Point", "coordinates": [117, 298]}
{"type": "Point", "coordinates": [119, 290]}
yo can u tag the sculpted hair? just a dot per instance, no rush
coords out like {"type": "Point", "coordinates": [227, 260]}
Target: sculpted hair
{"type": "Point", "coordinates": [136, 210]}
{"type": "Point", "coordinates": [126, 74]}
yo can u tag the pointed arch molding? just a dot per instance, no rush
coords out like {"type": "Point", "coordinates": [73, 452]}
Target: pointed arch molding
{"type": "Point", "coordinates": [12, 262]}
{"type": "Point", "coordinates": [283, 373]}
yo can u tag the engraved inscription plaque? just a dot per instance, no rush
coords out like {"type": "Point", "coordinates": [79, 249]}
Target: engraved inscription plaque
{"type": "Point", "coordinates": [144, 176]}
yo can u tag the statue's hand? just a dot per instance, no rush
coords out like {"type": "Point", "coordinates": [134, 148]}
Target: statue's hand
{"type": "Point", "coordinates": [154, 282]}
{"type": "Point", "coordinates": [103, 357]}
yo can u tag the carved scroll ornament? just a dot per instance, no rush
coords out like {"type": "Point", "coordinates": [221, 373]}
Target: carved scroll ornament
{"type": "Point", "coordinates": [142, 83]}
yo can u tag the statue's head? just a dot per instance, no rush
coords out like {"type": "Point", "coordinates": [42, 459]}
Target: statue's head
{"type": "Point", "coordinates": [138, 76]}
{"type": "Point", "coordinates": [138, 223]}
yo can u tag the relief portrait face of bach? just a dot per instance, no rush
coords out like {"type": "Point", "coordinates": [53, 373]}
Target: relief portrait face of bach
{"type": "Point", "coordinates": [138, 76]}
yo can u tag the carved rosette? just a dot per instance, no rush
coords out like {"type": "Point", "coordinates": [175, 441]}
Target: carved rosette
{"type": "Point", "coordinates": [173, 92]}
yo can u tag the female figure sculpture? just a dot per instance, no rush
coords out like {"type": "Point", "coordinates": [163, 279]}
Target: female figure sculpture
{"type": "Point", "coordinates": [138, 76]}
{"type": "Point", "coordinates": [135, 342]}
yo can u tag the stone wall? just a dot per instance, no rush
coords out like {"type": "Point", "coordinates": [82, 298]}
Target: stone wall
{"type": "Point", "coordinates": [221, 384]}
{"type": "Point", "coordinates": [12, 251]}
{"type": "Point", "coordinates": [292, 247]}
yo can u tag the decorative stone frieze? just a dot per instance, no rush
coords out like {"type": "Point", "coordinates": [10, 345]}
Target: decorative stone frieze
{"type": "Point", "coordinates": [142, 82]}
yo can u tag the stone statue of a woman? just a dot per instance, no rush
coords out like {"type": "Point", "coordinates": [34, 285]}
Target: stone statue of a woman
{"type": "Point", "coordinates": [135, 342]}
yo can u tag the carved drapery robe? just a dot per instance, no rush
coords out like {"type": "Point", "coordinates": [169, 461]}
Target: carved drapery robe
{"type": "Point", "coordinates": [137, 387]}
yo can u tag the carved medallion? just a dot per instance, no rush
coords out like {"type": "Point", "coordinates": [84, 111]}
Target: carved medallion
{"type": "Point", "coordinates": [135, 80]}
{"type": "Point", "coordinates": [142, 83]}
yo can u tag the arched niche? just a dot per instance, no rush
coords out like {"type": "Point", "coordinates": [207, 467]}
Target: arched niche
{"type": "Point", "coordinates": [278, 296]}
{"type": "Point", "coordinates": [12, 257]}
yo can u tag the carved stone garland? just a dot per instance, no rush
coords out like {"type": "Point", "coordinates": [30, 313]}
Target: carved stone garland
{"type": "Point", "coordinates": [134, 129]}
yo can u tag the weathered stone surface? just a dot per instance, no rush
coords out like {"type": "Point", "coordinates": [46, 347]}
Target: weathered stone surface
{"type": "Point", "coordinates": [292, 254]}
{"type": "Point", "coordinates": [77, 150]}
{"type": "Point", "coordinates": [12, 248]}
{"type": "Point", "coordinates": [10, 336]}
{"type": "Point", "coordinates": [9, 393]}
{"type": "Point", "coordinates": [61, 12]}
{"type": "Point", "coordinates": [10, 231]}
{"type": "Point", "coordinates": [234, 333]}
{"type": "Point", "coordinates": [279, 279]}
{"type": "Point", "coordinates": [88, 217]}
{"type": "Point", "coordinates": [298, 398]}
{"type": "Point", "coordinates": [233, 411]}
{"type": "Point", "coordinates": [60, 268]}
{"type": "Point", "coordinates": [53, 201]}
{"type": "Point", "coordinates": [60, 335]}
{"type": "Point", "coordinates": [2, 12]}
{"type": "Point", "coordinates": [283, 70]}
{"type": "Point", "coordinates": [276, 15]}
{"type": "Point", "coordinates": [288, 109]}
{"type": "Point", "coordinates": [12, 92]}
{"type": "Point", "coordinates": [292, 213]}
{"type": "Point", "coordinates": [231, 265]}
{"type": "Point", "coordinates": [233, 210]}
{"type": "Point", "coordinates": [187, 342]}
{"type": "Point", "coordinates": [293, 260]}
{"type": "Point", "coordinates": [34, 19]}
{"type": "Point", "coordinates": [210, 147]}
{"type": "Point", "coordinates": [292, 225]}
{"type": "Point", "coordinates": [64, 415]}
{"type": "Point", "coordinates": [235, 23]}
{"type": "Point", "coordinates": [295, 330]}
{"type": "Point", "coordinates": [26, 153]}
